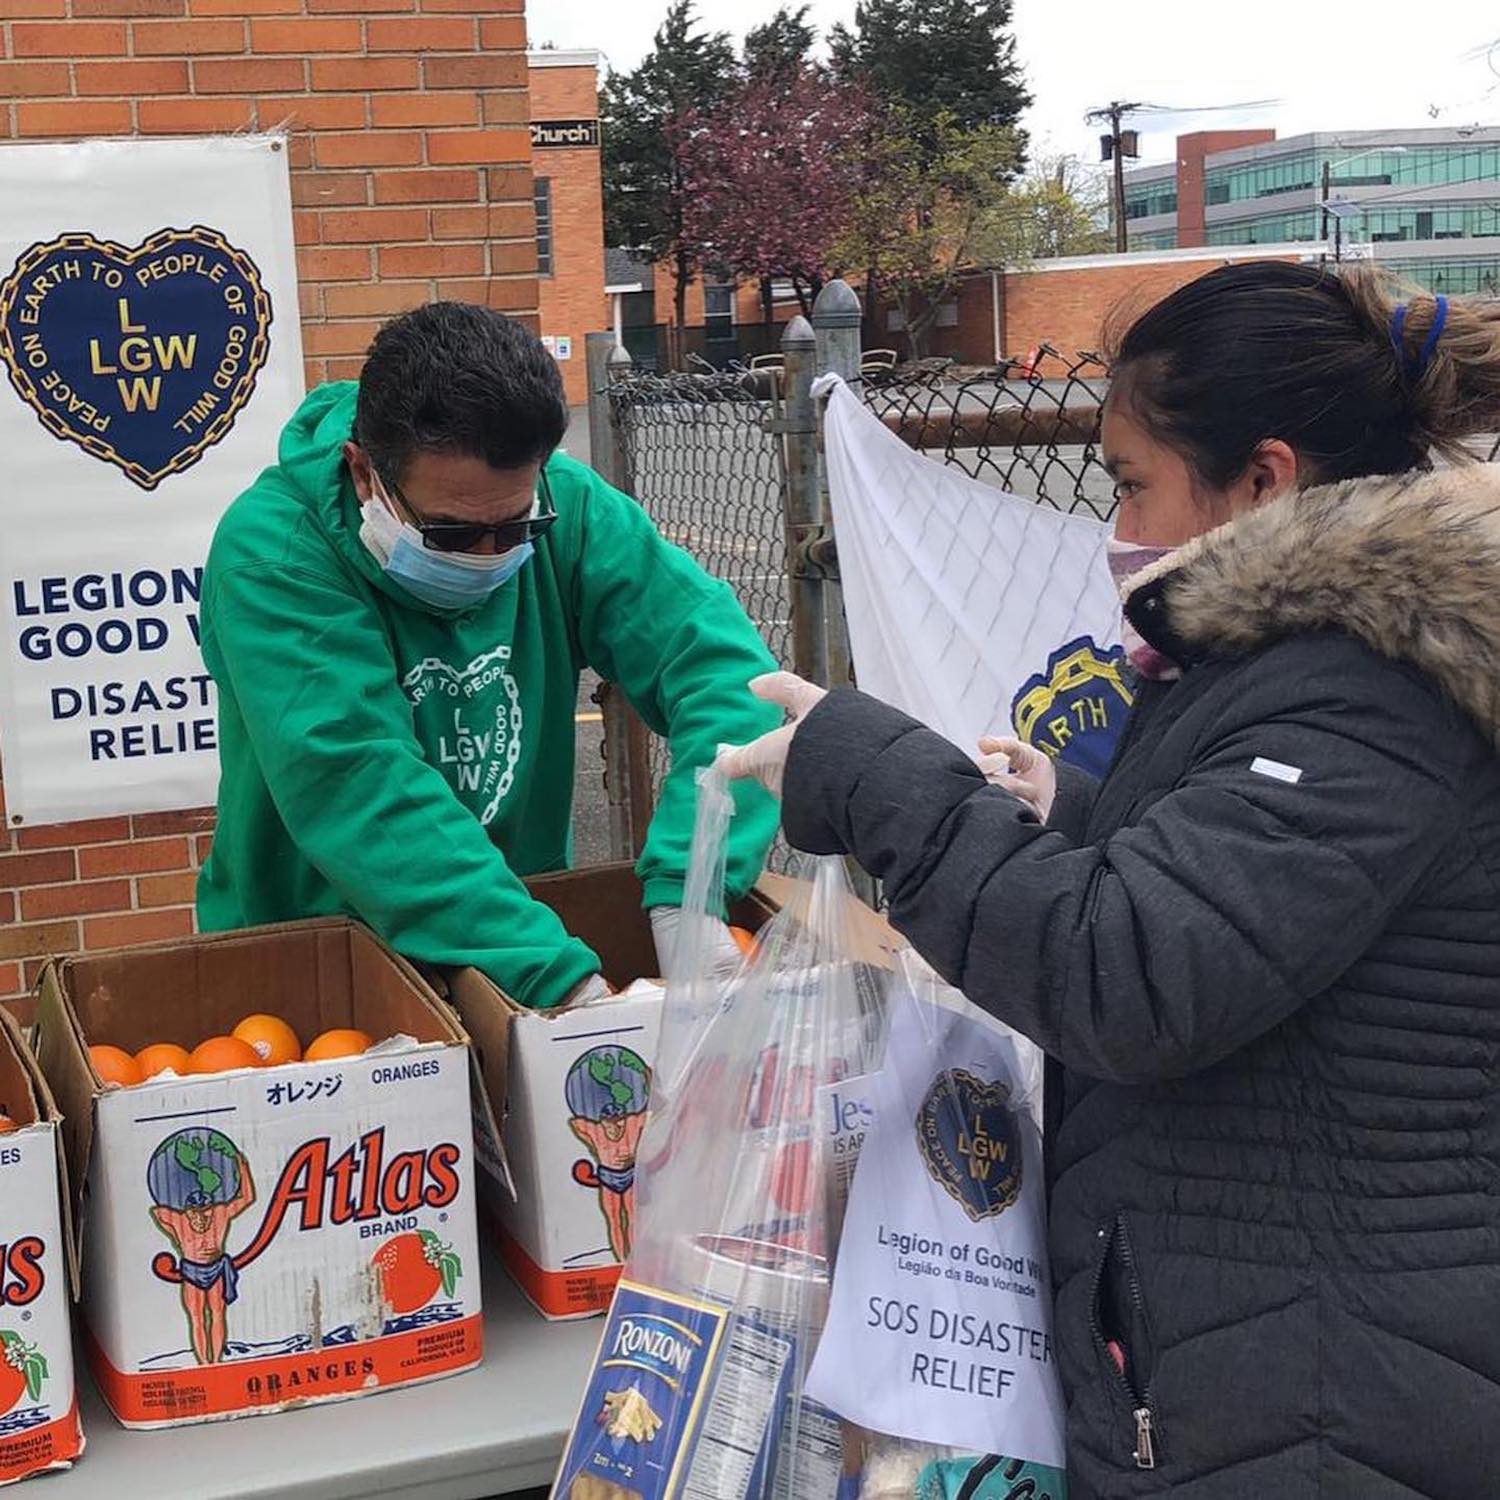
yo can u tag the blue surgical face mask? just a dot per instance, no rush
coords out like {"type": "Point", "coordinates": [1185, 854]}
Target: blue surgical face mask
{"type": "Point", "coordinates": [445, 580]}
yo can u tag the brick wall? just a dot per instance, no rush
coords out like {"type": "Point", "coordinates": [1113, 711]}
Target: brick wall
{"type": "Point", "coordinates": [1070, 308]}
{"type": "Point", "coordinates": [1192, 168]}
{"type": "Point", "coordinates": [572, 297]}
{"type": "Point", "coordinates": [411, 179]}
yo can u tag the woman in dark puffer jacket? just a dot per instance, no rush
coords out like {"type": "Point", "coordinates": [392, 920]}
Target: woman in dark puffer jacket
{"type": "Point", "coordinates": [1265, 950]}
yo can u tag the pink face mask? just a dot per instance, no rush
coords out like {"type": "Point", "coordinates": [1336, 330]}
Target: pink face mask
{"type": "Point", "coordinates": [1126, 559]}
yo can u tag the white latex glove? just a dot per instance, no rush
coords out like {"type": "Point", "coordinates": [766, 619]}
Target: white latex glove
{"type": "Point", "coordinates": [721, 954]}
{"type": "Point", "coordinates": [764, 760]}
{"type": "Point", "coordinates": [595, 987]}
{"type": "Point", "coordinates": [1020, 768]}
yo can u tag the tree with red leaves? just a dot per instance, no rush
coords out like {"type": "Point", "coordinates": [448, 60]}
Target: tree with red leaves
{"type": "Point", "coordinates": [770, 177]}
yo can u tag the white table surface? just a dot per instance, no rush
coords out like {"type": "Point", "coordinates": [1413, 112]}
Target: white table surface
{"type": "Point", "coordinates": [492, 1431]}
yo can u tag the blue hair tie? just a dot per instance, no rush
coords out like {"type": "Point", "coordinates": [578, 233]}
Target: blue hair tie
{"type": "Point", "coordinates": [1416, 367]}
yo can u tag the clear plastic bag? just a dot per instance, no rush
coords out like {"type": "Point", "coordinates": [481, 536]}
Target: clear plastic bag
{"type": "Point", "coordinates": [763, 1094]}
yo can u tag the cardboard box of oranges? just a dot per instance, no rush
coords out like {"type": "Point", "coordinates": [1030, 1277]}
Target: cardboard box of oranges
{"type": "Point", "coordinates": [572, 1087]}
{"type": "Point", "coordinates": [273, 1127]}
{"type": "Point", "coordinates": [39, 1428]}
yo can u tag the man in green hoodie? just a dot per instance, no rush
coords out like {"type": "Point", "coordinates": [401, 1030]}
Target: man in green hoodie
{"type": "Point", "coordinates": [396, 615]}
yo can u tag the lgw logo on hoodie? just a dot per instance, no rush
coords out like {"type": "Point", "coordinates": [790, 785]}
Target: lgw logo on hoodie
{"type": "Point", "coordinates": [469, 721]}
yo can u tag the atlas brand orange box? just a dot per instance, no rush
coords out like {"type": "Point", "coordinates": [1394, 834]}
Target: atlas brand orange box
{"type": "Point", "coordinates": [572, 1088]}
{"type": "Point", "coordinates": [39, 1427]}
{"type": "Point", "coordinates": [267, 1237]}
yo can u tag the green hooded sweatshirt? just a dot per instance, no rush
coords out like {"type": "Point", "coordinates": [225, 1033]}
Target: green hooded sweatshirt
{"type": "Point", "coordinates": [408, 765]}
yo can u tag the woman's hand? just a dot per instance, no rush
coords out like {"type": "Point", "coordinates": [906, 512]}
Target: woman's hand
{"type": "Point", "coordinates": [1019, 768]}
{"type": "Point", "coordinates": [764, 760]}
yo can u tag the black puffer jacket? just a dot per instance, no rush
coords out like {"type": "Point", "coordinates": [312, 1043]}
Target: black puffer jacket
{"type": "Point", "coordinates": [1267, 956]}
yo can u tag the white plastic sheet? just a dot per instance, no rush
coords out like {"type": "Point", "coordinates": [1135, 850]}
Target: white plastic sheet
{"type": "Point", "coordinates": [976, 611]}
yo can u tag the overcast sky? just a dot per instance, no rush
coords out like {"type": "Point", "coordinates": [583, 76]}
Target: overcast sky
{"type": "Point", "coordinates": [1352, 66]}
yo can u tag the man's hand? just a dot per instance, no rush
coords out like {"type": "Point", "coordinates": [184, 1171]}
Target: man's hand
{"type": "Point", "coordinates": [719, 953]}
{"type": "Point", "coordinates": [764, 760]}
{"type": "Point", "coordinates": [1020, 768]}
{"type": "Point", "coordinates": [595, 987]}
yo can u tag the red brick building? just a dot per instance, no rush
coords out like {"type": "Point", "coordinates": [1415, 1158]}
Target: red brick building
{"type": "Point", "coordinates": [411, 179]}
{"type": "Point", "coordinates": [1067, 303]}
{"type": "Point", "coordinates": [568, 182]}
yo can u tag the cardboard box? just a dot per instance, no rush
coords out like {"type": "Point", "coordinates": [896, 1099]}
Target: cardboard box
{"type": "Point", "coordinates": [564, 1232]}
{"type": "Point", "coordinates": [267, 1237]}
{"type": "Point", "coordinates": [39, 1426]}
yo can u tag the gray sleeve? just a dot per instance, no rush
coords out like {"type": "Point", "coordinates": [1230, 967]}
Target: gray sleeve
{"type": "Point", "coordinates": [1234, 900]}
{"type": "Point", "coordinates": [1074, 801]}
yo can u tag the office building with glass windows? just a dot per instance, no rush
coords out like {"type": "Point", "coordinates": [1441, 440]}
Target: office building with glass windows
{"type": "Point", "coordinates": [1424, 203]}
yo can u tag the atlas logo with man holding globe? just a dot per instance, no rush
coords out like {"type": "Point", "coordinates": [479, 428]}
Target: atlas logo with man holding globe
{"type": "Point", "coordinates": [608, 1089]}
{"type": "Point", "coordinates": [200, 1182]}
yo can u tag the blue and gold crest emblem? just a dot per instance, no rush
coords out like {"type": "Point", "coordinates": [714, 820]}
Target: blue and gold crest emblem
{"type": "Point", "coordinates": [143, 357]}
{"type": "Point", "coordinates": [968, 1138]}
{"type": "Point", "coordinates": [1075, 709]}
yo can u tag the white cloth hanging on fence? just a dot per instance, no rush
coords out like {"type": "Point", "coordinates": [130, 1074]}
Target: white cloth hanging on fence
{"type": "Point", "coordinates": [974, 610]}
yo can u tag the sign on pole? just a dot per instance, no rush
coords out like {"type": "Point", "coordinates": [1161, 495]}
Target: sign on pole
{"type": "Point", "coordinates": [150, 352]}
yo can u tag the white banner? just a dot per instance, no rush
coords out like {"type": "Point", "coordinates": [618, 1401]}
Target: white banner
{"type": "Point", "coordinates": [152, 350]}
{"type": "Point", "coordinates": [976, 611]}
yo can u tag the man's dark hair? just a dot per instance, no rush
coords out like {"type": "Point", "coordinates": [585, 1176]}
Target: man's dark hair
{"type": "Point", "coordinates": [451, 377]}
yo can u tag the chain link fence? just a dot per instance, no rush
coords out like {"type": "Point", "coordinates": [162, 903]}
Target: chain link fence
{"type": "Point", "coordinates": [1030, 427]}
{"type": "Point", "coordinates": [702, 455]}
{"type": "Point", "coordinates": [703, 452]}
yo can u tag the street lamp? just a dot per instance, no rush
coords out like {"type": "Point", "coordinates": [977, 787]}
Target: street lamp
{"type": "Point", "coordinates": [1346, 208]}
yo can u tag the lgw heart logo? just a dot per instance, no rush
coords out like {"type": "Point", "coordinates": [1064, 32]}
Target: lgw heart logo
{"type": "Point", "coordinates": [141, 357]}
{"type": "Point", "coordinates": [970, 1142]}
{"type": "Point", "coordinates": [470, 718]}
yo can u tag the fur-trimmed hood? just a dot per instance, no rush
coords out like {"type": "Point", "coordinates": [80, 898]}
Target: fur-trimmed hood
{"type": "Point", "coordinates": [1409, 564]}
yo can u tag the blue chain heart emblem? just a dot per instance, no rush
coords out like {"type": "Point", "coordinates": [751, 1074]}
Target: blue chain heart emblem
{"type": "Point", "coordinates": [143, 357]}
{"type": "Point", "coordinates": [970, 1142]}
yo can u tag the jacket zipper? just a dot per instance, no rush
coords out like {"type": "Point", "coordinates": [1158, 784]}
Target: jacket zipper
{"type": "Point", "coordinates": [1140, 1405]}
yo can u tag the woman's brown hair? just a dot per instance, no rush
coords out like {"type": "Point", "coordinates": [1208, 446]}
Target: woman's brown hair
{"type": "Point", "coordinates": [1324, 361]}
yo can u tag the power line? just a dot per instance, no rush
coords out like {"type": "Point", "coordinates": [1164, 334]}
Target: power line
{"type": "Point", "coordinates": [1113, 113]}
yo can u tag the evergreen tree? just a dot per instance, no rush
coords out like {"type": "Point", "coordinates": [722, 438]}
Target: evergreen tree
{"type": "Point", "coordinates": [949, 58]}
{"type": "Point", "coordinates": [686, 70]}
{"type": "Point", "coordinates": [781, 48]}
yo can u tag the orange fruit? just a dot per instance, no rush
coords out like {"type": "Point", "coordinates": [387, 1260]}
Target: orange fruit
{"type": "Point", "coordinates": [160, 1056]}
{"type": "Point", "coordinates": [115, 1065]}
{"type": "Point", "coordinates": [745, 940]}
{"type": "Point", "coordinates": [274, 1041]}
{"type": "Point", "coordinates": [221, 1053]}
{"type": "Point", "coordinates": [340, 1042]}
{"type": "Point", "coordinates": [413, 1269]}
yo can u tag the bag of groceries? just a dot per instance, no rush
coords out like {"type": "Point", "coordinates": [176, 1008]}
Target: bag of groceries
{"type": "Point", "coordinates": [837, 1285]}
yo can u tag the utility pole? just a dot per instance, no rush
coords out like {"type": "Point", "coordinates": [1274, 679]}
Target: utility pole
{"type": "Point", "coordinates": [1113, 147]}
{"type": "Point", "coordinates": [1122, 242]}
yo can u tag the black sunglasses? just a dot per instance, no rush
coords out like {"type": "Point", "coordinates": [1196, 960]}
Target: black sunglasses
{"type": "Point", "coordinates": [462, 536]}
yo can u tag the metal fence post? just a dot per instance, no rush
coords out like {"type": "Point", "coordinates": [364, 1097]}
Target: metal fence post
{"type": "Point", "coordinates": [627, 774]}
{"type": "Point", "coordinates": [803, 503]}
{"type": "Point", "coordinates": [836, 319]}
